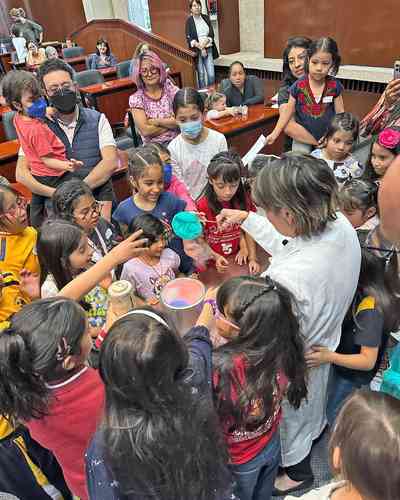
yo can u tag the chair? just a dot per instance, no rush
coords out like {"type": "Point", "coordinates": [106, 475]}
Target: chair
{"type": "Point", "coordinates": [73, 52]}
{"type": "Point", "coordinates": [88, 77]}
{"type": "Point", "coordinates": [8, 125]}
{"type": "Point", "coordinates": [123, 69]}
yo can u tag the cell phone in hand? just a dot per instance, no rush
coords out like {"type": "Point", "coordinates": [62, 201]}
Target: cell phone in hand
{"type": "Point", "coordinates": [396, 70]}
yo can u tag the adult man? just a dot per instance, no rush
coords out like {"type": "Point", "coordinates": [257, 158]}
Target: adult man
{"type": "Point", "coordinates": [22, 27]}
{"type": "Point", "coordinates": [86, 134]}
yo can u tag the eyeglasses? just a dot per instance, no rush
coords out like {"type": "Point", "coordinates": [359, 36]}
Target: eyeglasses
{"type": "Point", "coordinates": [20, 204]}
{"type": "Point", "coordinates": [64, 87]}
{"type": "Point", "coordinates": [149, 71]}
{"type": "Point", "coordinates": [87, 213]}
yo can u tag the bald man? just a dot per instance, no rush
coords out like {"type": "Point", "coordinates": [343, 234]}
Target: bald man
{"type": "Point", "coordinates": [389, 203]}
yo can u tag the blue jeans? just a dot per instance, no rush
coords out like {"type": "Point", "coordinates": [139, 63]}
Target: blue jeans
{"type": "Point", "coordinates": [255, 479]}
{"type": "Point", "coordinates": [205, 66]}
{"type": "Point", "coordinates": [339, 388]}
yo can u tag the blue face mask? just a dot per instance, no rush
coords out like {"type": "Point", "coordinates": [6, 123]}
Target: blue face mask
{"type": "Point", "coordinates": [38, 108]}
{"type": "Point", "coordinates": [167, 174]}
{"type": "Point", "coordinates": [191, 129]}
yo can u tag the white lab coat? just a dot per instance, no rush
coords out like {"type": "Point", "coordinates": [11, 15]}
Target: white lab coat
{"type": "Point", "coordinates": [322, 273]}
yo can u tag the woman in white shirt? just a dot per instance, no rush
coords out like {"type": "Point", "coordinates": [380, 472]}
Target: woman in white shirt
{"type": "Point", "coordinates": [316, 255]}
{"type": "Point", "coordinates": [200, 39]}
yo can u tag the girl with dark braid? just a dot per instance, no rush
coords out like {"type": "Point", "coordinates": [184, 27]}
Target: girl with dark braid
{"type": "Point", "coordinates": [263, 363]}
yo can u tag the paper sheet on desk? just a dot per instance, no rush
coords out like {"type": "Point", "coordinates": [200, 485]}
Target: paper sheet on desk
{"type": "Point", "coordinates": [254, 150]}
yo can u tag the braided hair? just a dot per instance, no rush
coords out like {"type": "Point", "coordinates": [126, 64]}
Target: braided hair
{"type": "Point", "coordinates": [270, 344]}
{"type": "Point", "coordinates": [66, 196]}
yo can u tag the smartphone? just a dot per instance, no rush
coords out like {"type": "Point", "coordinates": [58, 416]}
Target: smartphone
{"type": "Point", "coordinates": [396, 70]}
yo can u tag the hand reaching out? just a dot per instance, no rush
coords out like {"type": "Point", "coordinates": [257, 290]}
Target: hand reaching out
{"type": "Point", "coordinates": [221, 264]}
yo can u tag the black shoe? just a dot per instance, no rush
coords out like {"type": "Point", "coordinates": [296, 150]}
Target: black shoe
{"type": "Point", "coordinates": [307, 483]}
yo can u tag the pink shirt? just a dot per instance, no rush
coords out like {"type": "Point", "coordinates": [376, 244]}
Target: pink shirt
{"type": "Point", "coordinates": [156, 108]}
{"type": "Point", "coordinates": [37, 140]}
{"type": "Point", "coordinates": [178, 189]}
{"type": "Point", "coordinates": [150, 280]}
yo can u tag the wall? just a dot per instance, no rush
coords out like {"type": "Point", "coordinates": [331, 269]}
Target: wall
{"type": "Point", "coordinates": [168, 18]}
{"type": "Point", "coordinates": [365, 30]}
{"type": "Point", "coordinates": [57, 17]}
{"type": "Point", "coordinates": [251, 18]}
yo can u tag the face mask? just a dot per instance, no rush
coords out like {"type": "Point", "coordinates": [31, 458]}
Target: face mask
{"type": "Point", "coordinates": [64, 101]}
{"type": "Point", "coordinates": [191, 129]}
{"type": "Point", "coordinates": [37, 109]}
{"type": "Point", "coordinates": [167, 174]}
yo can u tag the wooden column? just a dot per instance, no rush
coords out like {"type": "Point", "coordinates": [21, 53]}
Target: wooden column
{"type": "Point", "coordinates": [168, 19]}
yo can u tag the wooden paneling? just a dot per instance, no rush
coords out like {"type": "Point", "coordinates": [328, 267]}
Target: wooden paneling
{"type": "Point", "coordinates": [228, 26]}
{"type": "Point", "coordinates": [168, 19]}
{"type": "Point", "coordinates": [58, 17]}
{"type": "Point", "coordinates": [366, 31]}
{"type": "Point", "coordinates": [123, 38]}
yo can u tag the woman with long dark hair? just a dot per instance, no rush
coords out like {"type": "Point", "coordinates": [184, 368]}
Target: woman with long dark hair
{"type": "Point", "coordinates": [160, 437]}
{"type": "Point", "coordinates": [263, 363]}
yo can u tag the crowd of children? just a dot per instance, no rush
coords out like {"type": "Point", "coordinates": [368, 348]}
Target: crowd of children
{"type": "Point", "coordinates": [148, 413]}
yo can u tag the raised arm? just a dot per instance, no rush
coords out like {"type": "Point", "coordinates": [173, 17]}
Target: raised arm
{"type": "Point", "coordinates": [285, 116]}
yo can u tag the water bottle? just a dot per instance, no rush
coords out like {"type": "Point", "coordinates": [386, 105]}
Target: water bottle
{"type": "Point", "coordinates": [121, 297]}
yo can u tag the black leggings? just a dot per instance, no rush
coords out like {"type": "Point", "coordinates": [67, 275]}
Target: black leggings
{"type": "Point", "coordinates": [301, 471]}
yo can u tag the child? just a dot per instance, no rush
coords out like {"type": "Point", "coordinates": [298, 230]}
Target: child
{"type": "Point", "coordinates": [50, 387]}
{"type": "Point", "coordinates": [263, 363]}
{"type": "Point", "coordinates": [172, 184]}
{"type": "Point", "coordinates": [160, 437]}
{"type": "Point", "coordinates": [367, 468]}
{"type": "Point", "coordinates": [383, 152]}
{"type": "Point", "coordinates": [336, 148]}
{"type": "Point", "coordinates": [216, 107]}
{"type": "Point", "coordinates": [146, 176]}
{"type": "Point", "coordinates": [73, 201]}
{"type": "Point", "coordinates": [359, 202]}
{"type": "Point", "coordinates": [151, 272]}
{"type": "Point", "coordinates": [316, 97]}
{"type": "Point", "coordinates": [45, 152]}
{"type": "Point", "coordinates": [17, 251]}
{"type": "Point", "coordinates": [373, 314]}
{"type": "Point", "coordinates": [193, 149]}
{"type": "Point", "coordinates": [64, 252]}
{"type": "Point", "coordinates": [225, 190]}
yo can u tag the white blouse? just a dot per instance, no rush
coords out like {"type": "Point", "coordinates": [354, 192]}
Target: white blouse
{"type": "Point", "coordinates": [322, 273]}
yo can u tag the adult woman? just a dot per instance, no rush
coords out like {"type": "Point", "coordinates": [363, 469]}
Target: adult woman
{"type": "Point", "coordinates": [305, 236]}
{"type": "Point", "coordinates": [103, 58]}
{"type": "Point", "coordinates": [241, 89]}
{"type": "Point", "coordinates": [25, 28]}
{"type": "Point", "coordinates": [294, 57]}
{"type": "Point", "coordinates": [35, 55]}
{"type": "Point", "coordinates": [200, 38]}
{"type": "Point", "coordinates": [151, 104]}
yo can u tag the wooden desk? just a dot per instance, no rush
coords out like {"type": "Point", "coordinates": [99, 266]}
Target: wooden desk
{"type": "Point", "coordinates": [242, 132]}
{"type": "Point", "coordinates": [111, 98]}
{"type": "Point", "coordinates": [78, 63]}
{"type": "Point", "coordinates": [3, 109]}
{"type": "Point", "coordinates": [8, 159]}
{"type": "Point", "coordinates": [122, 188]}
{"type": "Point", "coordinates": [109, 73]}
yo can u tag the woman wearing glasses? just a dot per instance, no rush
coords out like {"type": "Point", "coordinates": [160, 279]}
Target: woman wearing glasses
{"type": "Point", "coordinates": [151, 104]}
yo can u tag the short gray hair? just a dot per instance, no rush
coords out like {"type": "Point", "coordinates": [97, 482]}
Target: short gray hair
{"type": "Point", "coordinates": [302, 184]}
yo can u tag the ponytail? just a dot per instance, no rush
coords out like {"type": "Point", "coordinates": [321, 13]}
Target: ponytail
{"type": "Point", "coordinates": [32, 351]}
{"type": "Point", "coordinates": [23, 393]}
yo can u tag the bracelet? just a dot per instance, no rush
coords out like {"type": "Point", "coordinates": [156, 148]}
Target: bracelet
{"type": "Point", "coordinates": [213, 304]}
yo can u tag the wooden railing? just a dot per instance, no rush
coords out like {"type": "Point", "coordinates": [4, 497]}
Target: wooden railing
{"type": "Point", "coordinates": [123, 38]}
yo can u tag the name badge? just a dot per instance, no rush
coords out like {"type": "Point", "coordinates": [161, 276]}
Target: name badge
{"type": "Point", "coordinates": [327, 99]}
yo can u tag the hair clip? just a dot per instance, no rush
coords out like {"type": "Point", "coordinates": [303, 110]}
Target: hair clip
{"type": "Point", "coordinates": [63, 350]}
{"type": "Point", "coordinates": [389, 138]}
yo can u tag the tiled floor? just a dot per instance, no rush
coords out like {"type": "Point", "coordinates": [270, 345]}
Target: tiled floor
{"type": "Point", "coordinates": [319, 463]}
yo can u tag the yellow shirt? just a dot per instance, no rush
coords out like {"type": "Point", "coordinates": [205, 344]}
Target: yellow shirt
{"type": "Point", "coordinates": [17, 252]}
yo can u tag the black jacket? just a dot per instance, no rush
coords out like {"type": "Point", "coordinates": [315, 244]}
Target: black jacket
{"type": "Point", "coordinates": [191, 34]}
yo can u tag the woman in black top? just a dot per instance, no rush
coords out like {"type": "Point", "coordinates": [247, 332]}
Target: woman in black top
{"type": "Point", "coordinates": [294, 57]}
{"type": "Point", "coordinates": [241, 89]}
{"type": "Point", "coordinates": [200, 38]}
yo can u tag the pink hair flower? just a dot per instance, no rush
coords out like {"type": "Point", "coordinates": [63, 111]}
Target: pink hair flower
{"type": "Point", "coordinates": [389, 138]}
